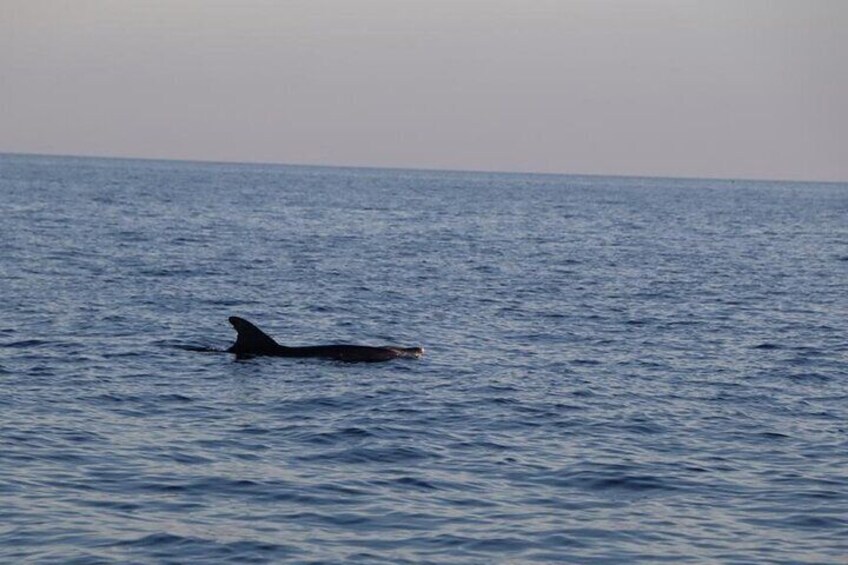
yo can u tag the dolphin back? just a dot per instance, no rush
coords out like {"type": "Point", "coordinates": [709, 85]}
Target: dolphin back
{"type": "Point", "coordinates": [251, 341]}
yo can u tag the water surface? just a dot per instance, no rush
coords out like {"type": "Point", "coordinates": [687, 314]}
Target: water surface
{"type": "Point", "coordinates": [618, 370]}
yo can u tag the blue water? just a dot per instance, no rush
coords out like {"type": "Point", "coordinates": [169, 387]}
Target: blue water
{"type": "Point", "coordinates": [617, 371]}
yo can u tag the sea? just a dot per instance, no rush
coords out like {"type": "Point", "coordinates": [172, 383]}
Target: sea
{"type": "Point", "coordinates": [617, 370]}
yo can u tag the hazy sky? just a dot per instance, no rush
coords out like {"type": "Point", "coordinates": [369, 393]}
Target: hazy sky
{"type": "Point", "coordinates": [716, 88]}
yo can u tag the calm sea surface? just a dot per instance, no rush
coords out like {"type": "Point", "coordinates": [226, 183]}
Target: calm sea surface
{"type": "Point", "coordinates": [618, 370]}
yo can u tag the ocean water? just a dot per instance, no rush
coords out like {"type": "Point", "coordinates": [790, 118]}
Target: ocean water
{"type": "Point", "coordinates": [618, 370]}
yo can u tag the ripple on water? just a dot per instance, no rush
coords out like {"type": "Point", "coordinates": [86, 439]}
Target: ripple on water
{"type": "Point", "coordinates": [372, 455]}
{"type": "Point", "coordinates": [609, 479]}
{"type": "Point", "coordinates": [166, 546]}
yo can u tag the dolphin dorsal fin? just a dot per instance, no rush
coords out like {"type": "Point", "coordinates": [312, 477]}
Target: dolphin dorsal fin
{"type": "Point", "coordinates": [250, 339]}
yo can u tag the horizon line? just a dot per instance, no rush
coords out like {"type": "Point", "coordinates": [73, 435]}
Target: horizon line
{"type": "Point", "coordinates": [412, 169]}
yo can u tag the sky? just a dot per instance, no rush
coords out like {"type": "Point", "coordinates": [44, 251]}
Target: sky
{"type": "Point", "coordinates": [712, 88]}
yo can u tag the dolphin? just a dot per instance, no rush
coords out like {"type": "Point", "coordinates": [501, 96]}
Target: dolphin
{"type": "Point", "coordinates": [252, 341]}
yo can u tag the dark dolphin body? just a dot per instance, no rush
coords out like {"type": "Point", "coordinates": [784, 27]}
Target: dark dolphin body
{"type": "Point", "coordinates": [252, 341]}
